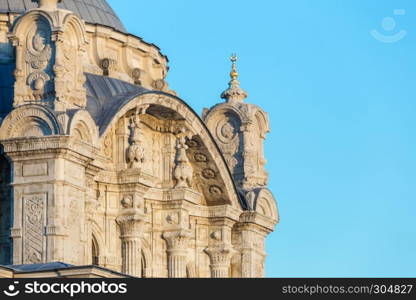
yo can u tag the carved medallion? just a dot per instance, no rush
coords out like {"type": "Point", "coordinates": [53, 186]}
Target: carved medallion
{"type": "Point", "coordinates": [127, 202]}
{"type": "Point", "coordinates": [172, 219]}
{"type": "Point", "coordinates": [39, 51]}
{"type": "Point", "coordinates": [193, 144]}
{"type": "Point", "coordinates": [216, 235]}
{"type": "Point", "coordinates": [215, 190]}
{"type": "Point", "coordinates": [209, 174]}
{"type": "Point", "coordinates": [227, 131]}
{"type": "Point", "coordinates": [200, 157]}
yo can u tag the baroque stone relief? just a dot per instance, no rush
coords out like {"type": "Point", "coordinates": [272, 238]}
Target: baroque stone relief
{"type": "Point", "coordinates": [34, 74]}
{"type": "Point", "coordinates": [136, 151]}
{"type": "Point", "coordinates": [69, 72]}
{"type": "Point", "coordinates": [34, 222]}
{"type": "Point", "coordinates": [206, 173]}
{"type": "Point", "coordinates": [183, 172]}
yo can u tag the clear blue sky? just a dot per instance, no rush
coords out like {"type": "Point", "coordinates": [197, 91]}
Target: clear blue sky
{"type": "Point", "coordinates": [342, 151]}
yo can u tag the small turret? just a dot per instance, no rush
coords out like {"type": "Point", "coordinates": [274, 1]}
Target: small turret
{"type": "Point", "coordinates": [240, 130]}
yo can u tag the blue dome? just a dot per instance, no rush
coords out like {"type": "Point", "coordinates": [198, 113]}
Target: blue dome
{"type": "Point", "coordinates": [91, 11]}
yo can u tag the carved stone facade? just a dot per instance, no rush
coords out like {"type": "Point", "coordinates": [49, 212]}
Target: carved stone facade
{"type": "Point", "coordinates": [101, 163]}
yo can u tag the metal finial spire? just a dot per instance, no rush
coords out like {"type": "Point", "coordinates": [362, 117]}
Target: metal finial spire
{"type": "Point", "coordinates": [234, 73]}
{"type": "Point", "coordinates": [234, 92]}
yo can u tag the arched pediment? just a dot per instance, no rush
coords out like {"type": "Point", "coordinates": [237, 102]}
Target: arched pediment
{"type": "Point", "coordinates": [30, 121]}
{"type": "Point", "coordinates": [23, 23]}
{"type": "Point", "coordinates": [57, 20]}
{"type": "Point", "coordinates": [76, 26]}
{"type": "Point", "coordinates": [224, 108]}
{"type": "Point", "coordinates": [266, 204]}
{"type": "Point", "coordinates": [83, 126]}
{"type": "Point", "coordinates": [214, 178]}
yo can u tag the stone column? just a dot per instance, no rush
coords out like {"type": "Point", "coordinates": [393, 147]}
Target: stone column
{"type": "Point", "coordinates": [220, 257]}
{"type": "Point", "coordinates": [131, 223]}
{"type": "Point", "coordinates": [177, 242]}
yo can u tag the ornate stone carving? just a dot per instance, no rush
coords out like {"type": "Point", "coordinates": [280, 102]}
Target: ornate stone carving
{"type": "Point", "coordinates": [69, 72]}
{"type": "Point", "coordinates": [240, 130]}
{"type": "Point", "coordinates": [200, 157]}
{"type": "Point", "coordinates": [251, 198]}
{"type": "Point", "coordinates": [159, 84]}
{"type": "Point", "coordinates": [193, 143]}
{"type": "Point", "coordinates": [131, 222]}
{"type": "Point", "coordinates": [183, 172]}
{"type": "Point", "coordinates": [209, 174]}
{"type": "Point", "coordinates": [127, 201]}
{"type": "Point", "coordinates": [176, 239]}
{"type": "Point", "coordinates": [216, 190]}
{"type": "Point", "coordinates": [172, 219]}
{"type": "Point", "coordinates": [148, 147]}
{"type": "Point", "coordinates": [136, 73]}
{"type": "Point", "coordinates": [34, 77]}
{"type": "Point", "coordinates": [177, 243]}
{"type": "Point", "coordinates": [108, 64]}
{"type": "Point", "coordinates": [216, 235]}
{"type": "Point", "coordinates": [136, 152]}
{"type": "Point", "coordinates": [34, 211]}
{"type": "Point", "coordinates": [108, 145]}
{"type": "Point", "coordinates": [220, 257]}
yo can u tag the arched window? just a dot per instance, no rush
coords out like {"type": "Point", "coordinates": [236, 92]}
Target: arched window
{"type": "Point", "coordinates": [95, 252]}
{"type": "Point", "coordinates": [143, 266]}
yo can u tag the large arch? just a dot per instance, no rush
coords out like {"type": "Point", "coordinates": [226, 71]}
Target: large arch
{"type": "Point", "coordinates": [198, 129]}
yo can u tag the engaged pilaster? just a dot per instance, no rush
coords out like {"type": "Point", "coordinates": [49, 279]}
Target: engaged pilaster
{"type": "Point", "coordinates": [131, 223]}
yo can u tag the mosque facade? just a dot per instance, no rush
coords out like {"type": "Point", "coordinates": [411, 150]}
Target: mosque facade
{"type": "Point", "coordinates": [104, 168]}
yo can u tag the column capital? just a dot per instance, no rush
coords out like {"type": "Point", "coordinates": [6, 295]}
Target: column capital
{"type": "Point", "coordinates": [177, 240]}
{"type": "Point", "coordinates": [220, 254]}
{"type": "Point", "coordinates": [131, 223]}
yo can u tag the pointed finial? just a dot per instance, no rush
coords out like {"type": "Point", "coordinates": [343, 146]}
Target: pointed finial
{"type": "Point", "coordinates": [234, 73]}
{"type": "Point", "coordinates": [234, 92]}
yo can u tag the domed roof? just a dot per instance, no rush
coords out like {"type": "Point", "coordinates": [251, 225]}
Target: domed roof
{"type": "Point", "coordinates": [91, 11]}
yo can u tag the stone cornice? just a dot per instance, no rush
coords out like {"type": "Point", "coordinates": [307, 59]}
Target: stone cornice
{"type": "Point", "coordinates": [253, 218]}
{"type": "Point", "coordinates": [50, 144]}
